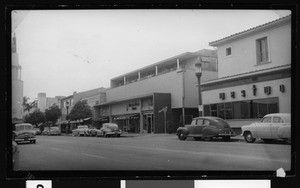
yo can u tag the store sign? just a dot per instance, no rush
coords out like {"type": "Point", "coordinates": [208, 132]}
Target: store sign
{"type": "Point", "coordinates": [147, 108]}
{"type": "Point", "coordinates": [243, 93]}
{"type": "Point", "coordinates": [267, 90]}
{"type": "Point", "coordinates": [222, 96]}
{"type": "Point", "coordinates": [282, 88]}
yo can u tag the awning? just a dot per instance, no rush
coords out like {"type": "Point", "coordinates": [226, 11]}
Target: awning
{"type": "Point", "coordinates": [104, 118]}
{"type": "Point", "coordinates": [87, 119]}
{"type": "Point", "coordinates": [60, 122]}
{"type": "Point", "coordinates": [132, 116]}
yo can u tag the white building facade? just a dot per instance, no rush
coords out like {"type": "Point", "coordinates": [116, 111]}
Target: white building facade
{"type": "Point", "coordinates": [254, 74]}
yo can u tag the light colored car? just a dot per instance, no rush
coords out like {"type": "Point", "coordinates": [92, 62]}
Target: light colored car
{"type": "Point", "coordinates": [93, 131]}
{"type": "Point", "coordinates": [51, 131]}
{"type": "Point", "coordinates": [24, 133]}
{"type": "Point", "coordinates": [37, 131]}
{"type": "Point", "coordinates": [109, 129]}
{"type": "Point", "coordinates": [82, 130]}
{"type": "Point", "coordinates": [206, 128]}
{"type": "Point", "coordinates": [272, 126]}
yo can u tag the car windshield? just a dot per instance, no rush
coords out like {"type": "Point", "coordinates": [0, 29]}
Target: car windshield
{"type": "Point", "coordinates": [82, 127]}
{"type": "Point", "coordinates": [23, 127]}
{"type": "Point", "coordinates": [55, 128]}
{"type": "Point", "coordinates": [112, 126]}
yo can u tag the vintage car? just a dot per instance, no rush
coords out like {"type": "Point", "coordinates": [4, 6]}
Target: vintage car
{"type": "Point", "coordinates": [82, 130]}
{"type": "Point", "coordinates": [37, 131]}
{"type": "Point", "coordinates": [93, 131]}
{"type": "Point", "coordinates": [51, 131]}
{"type": "Point", "coordinates": [109, 129]}
{"type": "Point", "coordinates": [24, 133]}
{"type": "Point", "coordinates": [206, 128]}
{"type": "Point", "coordinates": [272, 126]}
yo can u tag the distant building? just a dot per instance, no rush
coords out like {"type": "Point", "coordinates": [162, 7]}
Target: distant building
{"type": "Point", "coordinates": [66, 104]}
{"type": "Point", "coordinates": [254, 74]}
{"type": "Point", "coordinates": [44, 102]}
{"type": "Point", "coordinates": [17, 83]}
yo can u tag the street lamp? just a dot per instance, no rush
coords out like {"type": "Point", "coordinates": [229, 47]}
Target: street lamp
{"type": "Point", "coordinates": [198, 75]}
{"type": "Point", "coordinates": [67, 106]}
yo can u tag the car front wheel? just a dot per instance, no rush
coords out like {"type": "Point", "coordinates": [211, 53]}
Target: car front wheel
{"type": "Point", "coordinates": [181, 136]}
{"type": "Point", "coordinates": [249, 137]}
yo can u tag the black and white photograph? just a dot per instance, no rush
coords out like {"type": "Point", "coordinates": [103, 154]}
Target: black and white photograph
{"type": "Point", "coordinates": [151, 90]}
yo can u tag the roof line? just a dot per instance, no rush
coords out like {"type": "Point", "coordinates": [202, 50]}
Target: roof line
{"type": "Point", "coordinates": [240, 34]}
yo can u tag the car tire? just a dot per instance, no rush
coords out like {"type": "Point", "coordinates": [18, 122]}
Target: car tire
{"type": "Point", "coordinates": [181, 136]}
{"type": "Point", "coordinates": [249, 137]}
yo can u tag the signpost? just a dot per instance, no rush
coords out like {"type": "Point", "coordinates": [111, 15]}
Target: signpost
{"type": "Point", "coordinates": [165, 116]}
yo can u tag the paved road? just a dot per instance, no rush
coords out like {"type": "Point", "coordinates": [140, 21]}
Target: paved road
{"type": "Point", "coordinates": [151, 152]}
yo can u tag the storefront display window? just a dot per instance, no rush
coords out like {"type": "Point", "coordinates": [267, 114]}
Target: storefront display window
{"type": "Point", "coordinates": [243, 109]}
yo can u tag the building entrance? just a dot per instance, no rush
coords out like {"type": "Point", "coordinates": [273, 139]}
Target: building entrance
{"type": "Point", "coordinates": [148, 123]}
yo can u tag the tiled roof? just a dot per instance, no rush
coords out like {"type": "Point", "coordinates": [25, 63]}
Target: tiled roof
{"type": "Point", "coordinates": [248, 30]}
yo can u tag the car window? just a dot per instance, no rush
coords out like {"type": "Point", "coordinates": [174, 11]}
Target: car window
{"type": "Point", "coordinates": [199, 121]}
{"type": "Point", "coordinates": [194, 122]}
{"type": "Point", "coordinates": [206, 122]}
{"type": "Point", "coordinates": [266, 120]}
{"type": "Point", "coordinates": [277, 120]}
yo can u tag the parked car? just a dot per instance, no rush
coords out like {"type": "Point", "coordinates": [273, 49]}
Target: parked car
{"type": "Point", "coordinates": [24, 133]}
{"type": "Point", "coordinates": [206, 128]}
{"type": "Point", "coordinates": [272, 126]}
{"type": "Point", "coordinates": [109, 129]}
{"type": "Point", "coordinates": [93, 131]}
{"type": "Point", "coordinates": [15, 156]}
{"type": "Point", "coordinates": [82, 130]}
{"type": "Point", "coordinates": [37, 131]}
{"type": "Point", "coordinates": [51, 131]}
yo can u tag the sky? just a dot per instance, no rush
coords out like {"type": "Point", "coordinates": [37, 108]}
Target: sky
{"type": "Point", "coordinates": [63, 51]}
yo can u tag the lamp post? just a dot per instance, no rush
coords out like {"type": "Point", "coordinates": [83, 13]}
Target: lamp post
{"type": "Point", "coordinates": [198, 75]}
{"type": "Point", "coordinates": [68, 126]}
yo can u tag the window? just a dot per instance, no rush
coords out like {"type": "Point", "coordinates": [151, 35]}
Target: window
{"type": "Point", "coordinates": [228, 51]}
{"type": "Point", "coordinates": [266, 120]}
{"type": "Point", "coordinates": [243, 109]}
{"type": "Point", "coordinates": [262, 50]}
{"type": "Point", "coordinates": [277, 120]}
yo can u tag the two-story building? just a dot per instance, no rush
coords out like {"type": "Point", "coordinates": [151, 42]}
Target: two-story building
{"type": "Point", "coordinates": [137, 100]}
{"type": "Point", "coordinates": [254, 74]}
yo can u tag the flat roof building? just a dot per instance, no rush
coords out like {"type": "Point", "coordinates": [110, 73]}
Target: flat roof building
{"type": "Point", "coordinates": [136, 100]}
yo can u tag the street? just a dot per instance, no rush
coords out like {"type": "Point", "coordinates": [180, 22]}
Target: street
{"type": "Point", "coordinates": [151, 152]}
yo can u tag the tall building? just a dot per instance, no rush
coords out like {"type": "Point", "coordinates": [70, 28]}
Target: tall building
{"type": "Point", "coordinates": [17, 83]}
{"type": "Point", "coordinates": [44, 102]}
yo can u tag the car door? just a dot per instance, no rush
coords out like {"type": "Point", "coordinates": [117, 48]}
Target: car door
{"type": "Point", "coordinates": [276, 123]}
{"type": "Point", "coordinates": [263, 129]}
{"type": "Point", "coordinates": [199, 126]}
{"type": "Point", "coordinates": [191, 128]}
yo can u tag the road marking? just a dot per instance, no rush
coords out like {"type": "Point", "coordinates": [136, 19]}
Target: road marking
{"type": "Point", "coordinates": [58, 149]}
{"type": "Point", "coordinates": [94, 156]}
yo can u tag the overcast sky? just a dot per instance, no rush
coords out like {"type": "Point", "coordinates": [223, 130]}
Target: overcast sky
{"type": "Point", "coordinates": [62, 51]}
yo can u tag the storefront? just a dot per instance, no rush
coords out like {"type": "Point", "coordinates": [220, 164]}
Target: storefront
{"type": "Point", "coordinates": [138, 114]}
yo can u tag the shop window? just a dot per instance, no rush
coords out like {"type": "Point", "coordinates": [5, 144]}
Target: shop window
{"type": "Point", "coordinates": [228, 111]}
{"type": "Point", "coordinates": [221, 110]}
{"type": "Point", "coordinates": [213, 109]}
{"type": "Point", "coordinates": [245, 109]}
{"type": "Point", "coordinates": [206, 110]}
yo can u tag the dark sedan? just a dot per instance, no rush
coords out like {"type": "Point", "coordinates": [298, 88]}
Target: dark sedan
{"type": "Point", "coordinates": [206, 128]}
{"type": "Point", "coordinates": [109, 129]}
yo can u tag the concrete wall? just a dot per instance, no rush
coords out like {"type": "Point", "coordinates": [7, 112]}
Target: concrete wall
{"type": "Point", "coordinates": [164, 83]}
{"type": "Point", "coordinates": [17, 99]}
{"type": "Point", "coordinates": [243, 57]}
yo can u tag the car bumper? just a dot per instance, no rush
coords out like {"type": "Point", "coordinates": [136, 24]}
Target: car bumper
{"type": "Point", "coordinates": [24, 139]}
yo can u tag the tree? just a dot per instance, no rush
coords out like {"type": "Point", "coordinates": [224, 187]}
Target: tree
{"type": "Point", "coordinates": [35, 117]}
{"type": "Point", "coordinates": [52, 113]}
{"type": "Point", "coordinates": [26, 106]}
{"type": "Point", "coordinates": [80, 110]}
